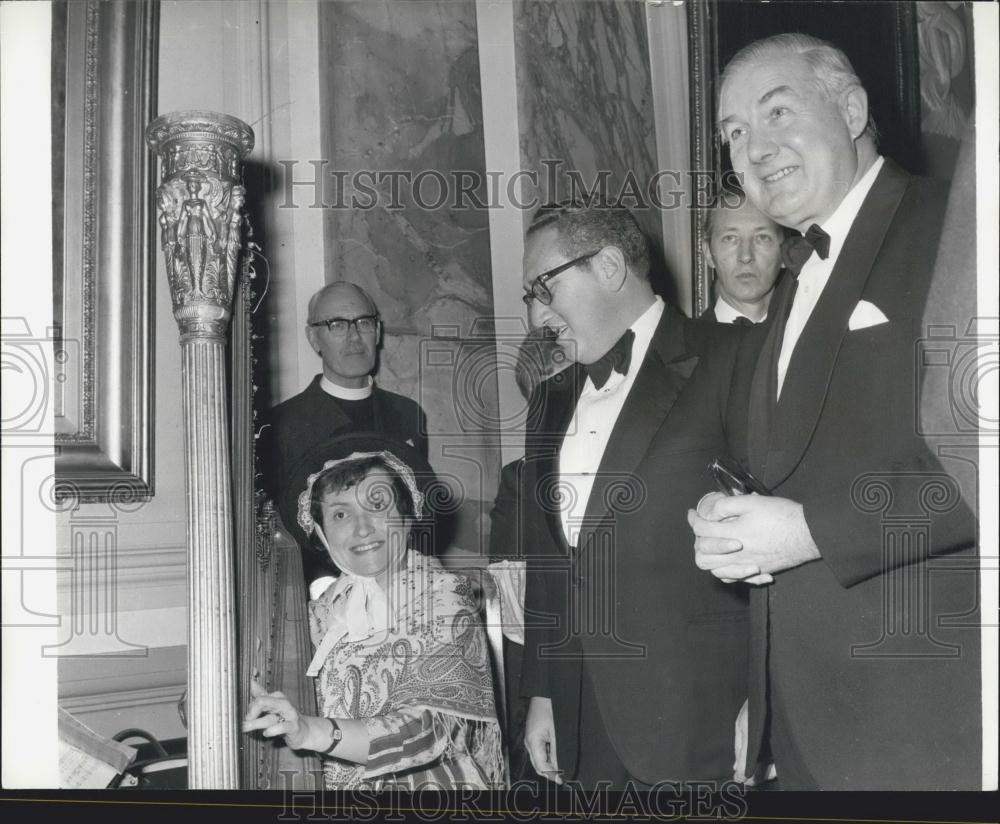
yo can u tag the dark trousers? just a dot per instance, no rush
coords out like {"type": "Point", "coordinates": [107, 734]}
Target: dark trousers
{"type": "Point", "coordinates": [597, 763]}
{"type": "Point", "coordinates": [792, 771]}
{"type": "Point", "coordinates": [517, 711]}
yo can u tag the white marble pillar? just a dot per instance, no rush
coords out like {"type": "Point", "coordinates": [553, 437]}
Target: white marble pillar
{"type": "Point", "coordinates": [200, 204]}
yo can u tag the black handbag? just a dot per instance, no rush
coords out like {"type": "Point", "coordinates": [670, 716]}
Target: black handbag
{"type": "Point", "coordinates": [155, 767]}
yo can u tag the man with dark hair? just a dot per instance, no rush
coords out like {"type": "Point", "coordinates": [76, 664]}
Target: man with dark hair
{"type": "Point", "coordinates": [344, 330]}
{"type": "Point", "coordinates": [633, 661]}
{"type": "Point", "coordinates": [743, 246]}
{"type": "Point", "coordinates": [864, 641]}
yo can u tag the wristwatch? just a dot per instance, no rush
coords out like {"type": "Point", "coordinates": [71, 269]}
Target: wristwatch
{"type": "Point", "coordinates": [336, 734]}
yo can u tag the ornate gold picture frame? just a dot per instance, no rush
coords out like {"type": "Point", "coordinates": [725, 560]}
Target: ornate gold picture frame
{"type": "Point", "coordinates": [103, 84]}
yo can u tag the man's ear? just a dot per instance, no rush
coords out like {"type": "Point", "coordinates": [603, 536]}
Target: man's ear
{"type": "Point", "coordinates": [311, 337]}
{"type": "Point", "coordinates": [612, 267]}
{"type": "Point", "coordinates": [708, 254]}
{"type": "Point", "coordinates": [854, 107]}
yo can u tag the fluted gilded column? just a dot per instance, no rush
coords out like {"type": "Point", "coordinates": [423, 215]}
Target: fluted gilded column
{"type": "Point", "coordinates": [200, 202]}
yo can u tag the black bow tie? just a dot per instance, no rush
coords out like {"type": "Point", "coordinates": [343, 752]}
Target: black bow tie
{"type": "Point", "coordinates": [618, 359]}
{"type": "Point", "coordinates": [795, 250]}
{"type": "Point", "coordinates": [742, 321]}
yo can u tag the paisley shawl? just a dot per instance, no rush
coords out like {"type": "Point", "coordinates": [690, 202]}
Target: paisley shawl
{"type": "Point", "coordinates": [433, 656]}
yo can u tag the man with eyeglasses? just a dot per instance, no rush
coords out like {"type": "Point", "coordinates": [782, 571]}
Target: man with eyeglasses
{"type": "Point", "coordinates": [344, 330]}
{"type": "Point", "coordinates": [634, 665]}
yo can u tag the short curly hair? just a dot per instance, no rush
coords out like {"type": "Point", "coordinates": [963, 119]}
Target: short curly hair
{"type": "Point", "coordinates": [583, 226]}
{"type": "Point", "coordinates": [348, 474]}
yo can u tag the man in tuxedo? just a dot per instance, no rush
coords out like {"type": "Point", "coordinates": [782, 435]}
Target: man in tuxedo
{"type": "Point", "coordinates": [633, 660]}
{"type": "Point", "coordinates": [344, 330]}
{"type": "Point", "coordinates": [743, 246]}
{"type": "Point", "coordinates": [864, 641]}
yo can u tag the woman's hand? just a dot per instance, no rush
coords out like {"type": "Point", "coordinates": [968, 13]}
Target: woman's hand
{"type": "Point", "coordinates": [275, 715]}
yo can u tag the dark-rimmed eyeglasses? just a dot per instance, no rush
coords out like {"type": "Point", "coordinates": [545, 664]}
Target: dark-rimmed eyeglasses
{"type": "Point", "coordinates": [539, 286]}
{"type": "Point", "coordinates": [339, 327]}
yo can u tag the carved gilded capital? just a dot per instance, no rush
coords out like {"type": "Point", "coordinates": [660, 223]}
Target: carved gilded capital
{"type": "Point", "coordinates": [200, 211]}
{"type": "Point", "coordinates": [202, 141]}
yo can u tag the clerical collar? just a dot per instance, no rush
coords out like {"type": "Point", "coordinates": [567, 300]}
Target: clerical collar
{"type": "Point", "coordinates": [726, 313]}
{"type": "Point", "coordinates": [346, 393]}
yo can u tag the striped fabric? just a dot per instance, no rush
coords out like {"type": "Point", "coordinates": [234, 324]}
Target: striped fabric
{"type": "Point", "coordinates": [412, 750]}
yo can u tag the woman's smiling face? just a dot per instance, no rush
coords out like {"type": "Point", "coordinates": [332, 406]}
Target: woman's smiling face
{"type": "Point", "coordinates": [363, 528]}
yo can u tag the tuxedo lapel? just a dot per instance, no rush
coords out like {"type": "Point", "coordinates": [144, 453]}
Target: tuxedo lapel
{"type": "Point", "coordinates": [661, 377]}
{"type": "Point", "coordinates": [811, 365]}
{"type": "Point", "coordinates": [765, 380]}
{"type": "Point", "coordinates": [561, 393]}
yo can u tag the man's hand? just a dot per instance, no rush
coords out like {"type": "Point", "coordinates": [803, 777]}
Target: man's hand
{"type": "Point", "coordinates": [750, 537]}
{"type": "Point", "coordinates": [540, 739]}
{"type": "Point", "coordinates": [742, 744]}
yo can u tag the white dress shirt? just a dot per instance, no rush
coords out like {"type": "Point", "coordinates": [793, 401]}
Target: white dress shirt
{"type": "Point", "coordinates": [590, 429]}
{"type": "Point", "coordinates": [346, 393]}
{"type": "Point", "coordinates": [724, 313]}
{"type": "Point", "coordinates": [816, 272]}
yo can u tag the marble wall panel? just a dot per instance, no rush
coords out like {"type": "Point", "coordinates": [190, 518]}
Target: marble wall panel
{"type": "Point", "coordinates": [400, 92]}
{"type": "Point", "coordinates": [585, 101]}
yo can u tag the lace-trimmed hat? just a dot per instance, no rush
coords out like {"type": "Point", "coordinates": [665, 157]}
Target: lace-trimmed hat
{"type": "Point", "coordinates": [407, 462]}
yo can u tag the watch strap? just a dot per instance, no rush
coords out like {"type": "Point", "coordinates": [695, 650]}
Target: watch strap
{"type": "Point", "coordinates": [336, 734]}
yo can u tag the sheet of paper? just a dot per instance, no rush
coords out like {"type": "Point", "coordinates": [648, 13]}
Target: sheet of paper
{"type": "Point", "coordinates": [80, 771]}
{"type": "Point", "coordinates": [88, 760]}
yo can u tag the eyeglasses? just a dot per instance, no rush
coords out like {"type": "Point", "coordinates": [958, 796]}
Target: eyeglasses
{"type": "Point", "coordinates": [539, 288]}
{"type": "Point", "coordinates": [339, 327]}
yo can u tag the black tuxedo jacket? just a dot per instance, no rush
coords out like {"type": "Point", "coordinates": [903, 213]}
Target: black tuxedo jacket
{"type": "Point", "coordinates": [871, 653]}
{"type": "Point", "coordinates": [665, 644]}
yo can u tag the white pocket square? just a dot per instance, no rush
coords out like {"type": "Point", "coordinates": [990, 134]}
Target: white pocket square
{"type": "Point", "coordinates": [865, 314]}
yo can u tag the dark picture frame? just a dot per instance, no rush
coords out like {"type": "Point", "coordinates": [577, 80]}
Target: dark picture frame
{"type": "Point", "coordinates": [103, 94]}
{"type": "Point", "coordinates": [889, 70]}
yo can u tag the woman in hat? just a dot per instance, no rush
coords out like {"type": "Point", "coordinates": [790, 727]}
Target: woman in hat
{"type": "Point", "coordinates": [402, 672]}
